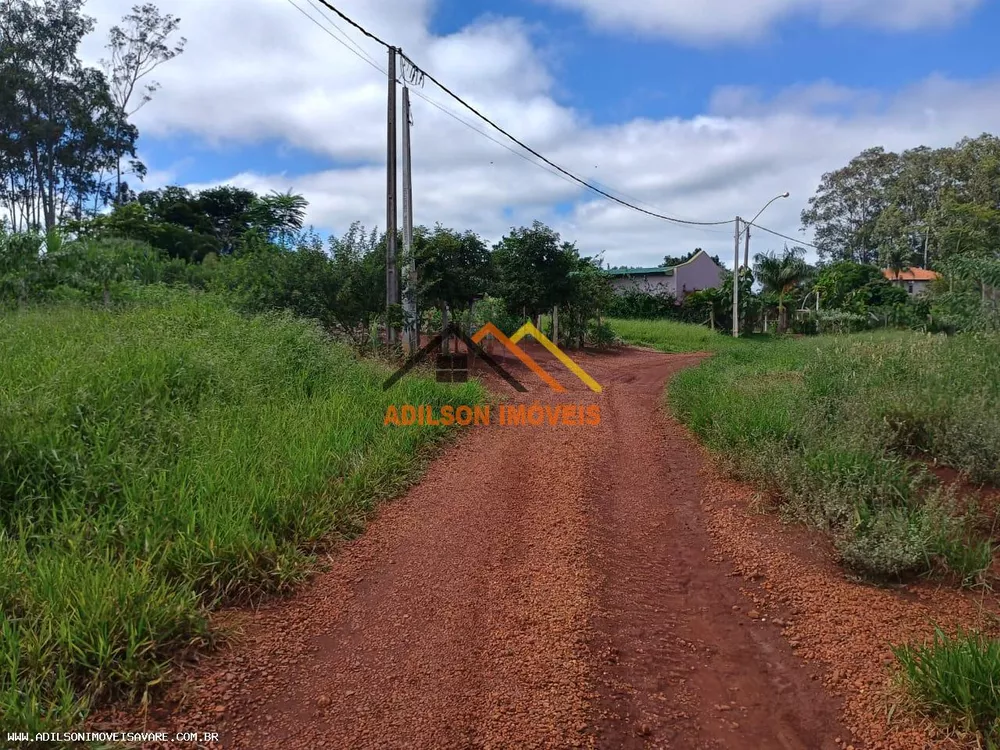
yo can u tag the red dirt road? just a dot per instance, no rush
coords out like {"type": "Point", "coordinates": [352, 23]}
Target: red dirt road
{"type": "Point", "coordinates": [541, 587]}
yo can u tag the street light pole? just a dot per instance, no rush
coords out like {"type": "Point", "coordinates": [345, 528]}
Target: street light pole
{"type": "Point", "coordinates": [746, 256]}
{"type": "Point", "coordinates": [746, 261]}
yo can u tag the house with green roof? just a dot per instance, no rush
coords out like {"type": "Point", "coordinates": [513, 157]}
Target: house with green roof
{"type": "Point", "coordinates": [697, 273]}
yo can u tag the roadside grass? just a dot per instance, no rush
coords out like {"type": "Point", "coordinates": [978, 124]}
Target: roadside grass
{"type": "Point", "coordinates": [670, 336]}
{"type": "Point", "coordinates": [956, 681]}
{"type": "Point", "coordinates": [840, 428]}
{"type": "Point", "coordinates": [161, 461]}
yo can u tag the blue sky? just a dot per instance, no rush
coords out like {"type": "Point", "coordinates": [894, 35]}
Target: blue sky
{"type": "Point", "coordinates": [701, 110]}
{"type": "Point", "coordinates": [614, 75]}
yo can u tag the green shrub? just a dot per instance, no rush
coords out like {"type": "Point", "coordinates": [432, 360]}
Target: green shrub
{"type": "Point", "coordinates": [641, 305]}
{"type": "Point", "coordinates": [956, 679]}
{"type": "Point", "coordinates": [888, 543]}
{"type": "Point", "coordinates": [602, 335]}
{"type": "Point", "coordinates": [838, 427]}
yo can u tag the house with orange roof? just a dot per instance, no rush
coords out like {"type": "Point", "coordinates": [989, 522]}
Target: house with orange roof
{"type": "Point", "coordinates": [915, 281]}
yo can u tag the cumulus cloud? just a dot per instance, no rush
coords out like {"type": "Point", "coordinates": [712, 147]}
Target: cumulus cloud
{"type": "Point", "coordinates": [708, 21]}
{"type": "Point", "coordinates": [258, 72]}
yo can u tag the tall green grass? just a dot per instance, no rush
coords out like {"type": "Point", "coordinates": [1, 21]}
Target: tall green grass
{"type": "Point", "coordinates": [837, 428]}
{"type": "Point", "coordinates": [670, 336]}
{"type": "Point", "coordinates": [956, 680]}
{"type": "Point", "coordinates": [160, 461]}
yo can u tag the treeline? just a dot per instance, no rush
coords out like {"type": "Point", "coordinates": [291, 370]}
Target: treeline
{"type": "Point", "coordinates": [922, 207]}
{"type": "Point", "coordinates": [928, 208]}
{"type": "Point", "coordinates": [253, 249]}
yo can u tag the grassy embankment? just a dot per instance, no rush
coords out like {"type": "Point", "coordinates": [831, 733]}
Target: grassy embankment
{"type": "Point", "coordinates": [670, 336]}
{"type": "Point", "coordinates": [842, 430]}
{"type": "Point", "coordinates": [158, 462]}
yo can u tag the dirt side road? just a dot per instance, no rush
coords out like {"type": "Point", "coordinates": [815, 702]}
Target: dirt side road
{"type": "Point", "coordinates": [542, 587]}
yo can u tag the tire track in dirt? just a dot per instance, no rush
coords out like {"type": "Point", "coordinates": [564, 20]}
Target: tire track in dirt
{"type": "Point", "coordinates": [685, 664]}
{"type": "Point", "coordinates": [541, 587]}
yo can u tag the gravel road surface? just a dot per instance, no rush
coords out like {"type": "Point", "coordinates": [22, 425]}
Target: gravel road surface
{"type": "Point", "coordinates": [542, 587]}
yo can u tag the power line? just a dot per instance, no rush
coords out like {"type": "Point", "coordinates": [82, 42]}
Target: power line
{"type": "Point", "coordinates": [348, 44]}
{"type": "Point", "coordinates": [486, 135]}
{"type": "Point", "coordinates": [785, 236]}
{"type": "Point", "coordinates": [551, 163]}
{"type": "Point", "coordinates": [520, 154]}
{"type": "Point", "coordinates": [356, 25]}
{"type": "Point", "coordinates": [520, 143]}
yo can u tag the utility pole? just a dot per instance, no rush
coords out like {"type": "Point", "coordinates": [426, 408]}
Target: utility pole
{"type": "Point", "coordinates": [391, 283]}
{"type": "Point", "coordinates": [736, 282]}
{"type": "Point", "coordinates": [746, 248]}
{"type": "Point", "coordinates": [410, 341]}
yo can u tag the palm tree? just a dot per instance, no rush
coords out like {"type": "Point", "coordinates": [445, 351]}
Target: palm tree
{"type": "Point", "coordinates": [280, 215]}
{"type": "Point", "coordinates": [780, 274]}
{"type": "Point", "coordinates": [895, 257]}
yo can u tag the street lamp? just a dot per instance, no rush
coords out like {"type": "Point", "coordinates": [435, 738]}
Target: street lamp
{"type": "Point", "coordinates": [746, 261]}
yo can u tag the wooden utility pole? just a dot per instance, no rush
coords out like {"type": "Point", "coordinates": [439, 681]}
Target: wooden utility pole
{"type": "Point", "coordinates": [391, 282]}
{"type": "Point", "coordinates": [736, 282]}
{"type": "Point", "coordinates": [411, 340]}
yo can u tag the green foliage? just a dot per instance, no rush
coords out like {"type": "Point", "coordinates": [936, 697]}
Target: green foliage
{"type": "Point", "coordinates": [160, 461]}
{"type": "Point", "coordinates": [954, 679]}
{"type": "Point", "coordinates": [640, 305]}
{"type": "Point", "coordinates": [837, 428]}
{"type": "Point", "coordinates": [533, 269]}
{"type": "Point", "coordinates": [453, 268]}
{"type": "Point", "coordinates": [782, 275]}
{"type": "Point", "coordinates": [602, 335]}
{"type": "Point", "coordinates": [669, 336]}
{"type": "Point", "coordinates": [850, 286]}
{"type": "Point", "coordinates": [60, 129]}
{"type": "Point", "coordinates": [897, 209]}
{"type": "Point", "coordinates": [588, 295]}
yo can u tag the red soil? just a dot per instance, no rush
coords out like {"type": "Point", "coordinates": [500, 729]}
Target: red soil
{"type": "Point", "coordinates": [564, 586]}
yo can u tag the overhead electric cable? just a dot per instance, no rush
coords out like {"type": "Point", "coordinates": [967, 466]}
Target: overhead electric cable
{"type": "Point", "coordinates": [348, 44]}
{"type": "Point", "coordinates": [785, 236]}
{"type": "Point", "coordinates": [526, 147]}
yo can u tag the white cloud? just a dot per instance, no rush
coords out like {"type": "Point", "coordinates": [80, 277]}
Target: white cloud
{"type": "Point", "coordinates": [258, 70]}
{"type": "Point", "coordinates": [710, 21]}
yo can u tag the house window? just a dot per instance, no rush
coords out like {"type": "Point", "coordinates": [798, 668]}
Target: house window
{"type": "Point", "coordinates": [910, 285]}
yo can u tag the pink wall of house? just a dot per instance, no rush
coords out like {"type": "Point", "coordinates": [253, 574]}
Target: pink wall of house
{"type": "Point", "coordinates": [701, 272]}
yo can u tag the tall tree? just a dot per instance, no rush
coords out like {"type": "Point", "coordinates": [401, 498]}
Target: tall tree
{"type": "Point", "coordinates": [58, 124]}
{"type": "Point", "coordinates": [139, 45]}
{"type": "Point", "coordinates": [893, 240]}
{"type": "Point", "coordinates": [846, 208]}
